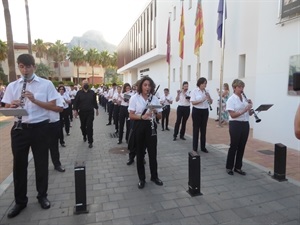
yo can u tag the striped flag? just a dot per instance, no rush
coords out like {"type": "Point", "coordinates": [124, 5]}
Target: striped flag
{"type": "Point", "coordinates": [220, 20]}
{"type": "Point", "coordinates": [199, 28]}
{"type": "Point", "coordinates": [168, 43]}
{"type": "Point", "coordinates": [181, 35]}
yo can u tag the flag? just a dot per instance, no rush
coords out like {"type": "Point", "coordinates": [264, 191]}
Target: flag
{"type": "Point", "coordinates": [168, 43]}
{"type": "Point", "coordinates": [199, 28]}
{"type": "Point", "coordinates": [181, 35]}
{"type": "Point", "coordinates": [220, 20]}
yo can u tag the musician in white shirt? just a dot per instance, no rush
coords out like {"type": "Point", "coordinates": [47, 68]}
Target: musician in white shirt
{"type": "Point", "coordinates": [183, 110]}
{"type": "Point", "coordinates": [166, 100]}
{"type": "Point", "coordinates": [123, 114]}
{"type": "Point", "coordinates": [145, 128]}
{"type": "Point", "coordinates": [117, 99]}
{"type": "Point", "coordinates": [110, 104]}
{"type": "Point", "coordinates": [200, 100]}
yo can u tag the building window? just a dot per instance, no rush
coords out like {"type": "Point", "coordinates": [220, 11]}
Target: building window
{"type": "Point", "coordinates": [242, 66]}
{"type": "Point", "coordinates": [174, 13]}
{"type": "Point", "coordinates": [189, 73]}
{"type": "Point", "coordinates": [174, 75]}
{"type": "Point", "coordinates": [210, 70]}
{"type": "Point", "coordinates": [190, 4]}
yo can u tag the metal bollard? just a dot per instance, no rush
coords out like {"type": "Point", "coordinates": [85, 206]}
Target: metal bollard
{"type": "Point", "coordinates": [194, 174]}
{"type": "Point", "coordinates": [80, 188]}
{"type": "Point", "coordinates": [280, 162]}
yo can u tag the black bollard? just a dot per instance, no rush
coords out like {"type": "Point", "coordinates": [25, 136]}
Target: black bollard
{"type": "Point", "coordinates": [80, 189]}
{"type": "Point", "coordinates": [194, 174]}
{"type": "Point", "coordinates": [280, 162]}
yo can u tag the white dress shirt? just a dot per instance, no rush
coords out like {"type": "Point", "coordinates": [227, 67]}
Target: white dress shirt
{"type": "Point", "coordinates": [235, 104]}
{"type": "Point", "coordinates": [42, 89]}
{"type": "Point", "coordinates": [199, 95]}
{"type": "Point", "coordinates": [138, 104]}
{"type": "Point", "coordinates": [182, 99]}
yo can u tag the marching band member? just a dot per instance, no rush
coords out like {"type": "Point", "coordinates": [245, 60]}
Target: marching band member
{"type": "Point", "coordinates": [124, 113]}
{"type": "Point", "coordinates": [166, 100]}
{"type": "Point", "coordinates": [117, 99]}
{"type": "Point", "coordinates": [110, 104]}
{"type": "Point", "coordinates": [183, 110]}
{"type": "Point", "coordinates": [200, 100]}
{"type": "Point", "coordinates": [144, 122]}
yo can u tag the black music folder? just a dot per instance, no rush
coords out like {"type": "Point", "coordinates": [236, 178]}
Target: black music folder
{"type": "Point", "coordinates": [263, 107]}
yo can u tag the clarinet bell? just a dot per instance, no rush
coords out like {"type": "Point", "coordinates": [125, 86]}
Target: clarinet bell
{"type": "Point", "coordinates": [18, 126]}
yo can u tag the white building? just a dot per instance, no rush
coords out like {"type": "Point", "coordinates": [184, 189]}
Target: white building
{"type": "Point", "coordinates": [260, 41]}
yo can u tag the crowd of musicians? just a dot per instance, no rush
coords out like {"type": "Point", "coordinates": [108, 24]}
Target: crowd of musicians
{"type": "Point", "coordinates": [134, 110]}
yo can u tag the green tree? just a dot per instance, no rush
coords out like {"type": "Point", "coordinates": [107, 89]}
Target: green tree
{"type": "Point", "coordinates": [105, 61]}
{"type": "Point", "coordinates": [3, 51]}
{"type": "Point", "coordinates": [10, 42]}
{"type": "Point", "coordinates": [93, 58]}
{"type": "Point", "coordinates": [58, 51]}
{"type": "Point", "coordinates": [40, 48]}
{"type": "Point", "coordinates": [3, 76]}
{"type": "Point", "coordinates": [76, 56]}
{"type": "Point", "coordinates": [43, 70]}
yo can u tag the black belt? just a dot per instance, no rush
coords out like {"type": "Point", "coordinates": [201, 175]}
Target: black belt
{"type": "Point", "coordinates": [33, 125]}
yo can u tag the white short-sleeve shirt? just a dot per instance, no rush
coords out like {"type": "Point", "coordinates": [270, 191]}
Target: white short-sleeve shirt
{"type": "Point", "coordinates": [199, 95]}
{"type": "Point", "coordinates": [54, 116]}
{"type": "Point", "coordinates": [138, 104]}
{"type": "Point", "coordinates": [42, 89]}
{"type": "Point", "coordinates": [235, 104]}
{"type": "Point", "coordinates": [164, 99]}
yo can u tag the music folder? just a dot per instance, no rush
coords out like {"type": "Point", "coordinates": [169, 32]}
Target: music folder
{"type": "Point", "coordinates": [13, 112]}
{"type": "Point", "coordinates": [154, 106]}
{"type": "Point", "coordinates": [263, 107]}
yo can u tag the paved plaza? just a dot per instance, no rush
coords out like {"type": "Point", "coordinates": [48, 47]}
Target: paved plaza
{"type": "Point", "coordinates": [113, 196]}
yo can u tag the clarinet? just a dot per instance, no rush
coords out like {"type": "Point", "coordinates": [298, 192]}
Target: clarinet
{"type": "Point", "coordinates": [209, 104]}
{"type": "Point", "coordinates": [19, 122]}
{"type": "Point", "coordinates": [150, 96]}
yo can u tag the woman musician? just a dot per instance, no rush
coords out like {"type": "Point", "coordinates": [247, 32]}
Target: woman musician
{"type": "Point", "coordinates": [166, 100]}
{"type": "Point", "coordinates": [117, 99]}
{"type": "Point", "coordinates": [239, 110]}
{"type": "Point", "coordinates": [142, 128]}
{"type": "Point", "coordinates": [201, 101]}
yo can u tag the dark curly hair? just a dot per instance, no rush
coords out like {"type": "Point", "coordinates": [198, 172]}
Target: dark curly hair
{"type": "Point", "coordinates": [125, 86]}
{"type": "Point", "coordinates": [140, 85]}
{"type": "Point", "coordinates": [200, 81]}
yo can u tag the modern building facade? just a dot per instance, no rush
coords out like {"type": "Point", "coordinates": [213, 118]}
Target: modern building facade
{"type": "Point", "coordinates": [262, 47]}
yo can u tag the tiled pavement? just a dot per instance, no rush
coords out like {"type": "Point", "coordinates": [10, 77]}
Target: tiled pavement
{"type": "Point", "coordinates": [113, 196]}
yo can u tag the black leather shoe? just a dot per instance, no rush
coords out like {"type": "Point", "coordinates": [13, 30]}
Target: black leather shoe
{"type": "Point", "coordinates": [68, 134]}
{"type": "Point", "coordinates": [182, 138]}
{"type": "Point", "coordinates": [174, 139]}
{"type": "Point", "coordinates": [90, 145]}
{"type": "Point", "coordinates": [162, 129]}
{"type": "Point", "coordinates": [44, 202]}
{"type": "Point", "coordinates": [116, 131]}
{"type": "Point", "coordinates": [167, 129]}
{"type": "Point", "coordinates": [204, 150]}
{"type": "Point", "coordinates": [141, 184]}
{"type": "Point", "coordinates": [230, 172]}
{"type": "Point", "coordinates": [157, 181]}
{"type": "Point", "coordinates": [15, 210]}
{"type": "Point", "coordinates": [119, 142]}
{"type": "Point", "coordinates": [84, 139]}
{"type": "Point", "coordinates": [108, 124]}
{"type": "Point", "coordinates": [130, 161]}
{"type": "Point", "coordinates": [240, 171]}
{"type": "Point", "coordinates": [63, 145]}
{"type": "Point", "coordinates": [60, 168]}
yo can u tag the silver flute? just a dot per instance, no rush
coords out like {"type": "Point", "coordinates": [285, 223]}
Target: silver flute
{"type": "Point", "coordinates": [19, 122]}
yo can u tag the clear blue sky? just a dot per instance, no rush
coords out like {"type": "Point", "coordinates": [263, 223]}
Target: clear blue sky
{"type": "Point", "coordinates": [53, 20]}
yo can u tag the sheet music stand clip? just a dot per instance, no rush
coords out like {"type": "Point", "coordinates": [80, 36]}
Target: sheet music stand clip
{"type": "Point", "coordinates": [263, 107]}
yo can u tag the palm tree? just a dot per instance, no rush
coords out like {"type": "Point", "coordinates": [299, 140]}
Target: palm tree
{"type": "Point", "coordinates": [3, 51]}
{"type": "Point", "coordinates": [10, 42]}
{"type": "Point", "coordinates": [40, 48]}
{"type": "Point", "coordinates": [28, 28]}
{"type": "Point", "coordinates": [58, 52]}
{"type": "Point", "coordinates": [76, 56]}
{"type": "Point", "coordinates": [104, 61]}
{"type": "Point", "coordinates": [114, 60]}
{"type": "Point", "coordinates": [93, 58]}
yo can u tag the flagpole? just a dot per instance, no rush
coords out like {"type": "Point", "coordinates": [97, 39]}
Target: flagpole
{"type": "Point", "coordinates": [222, 62]}
{"type": "Point", "coordinates": [198, 69]}
{"type": "Point", "coordinates": [169, 66]}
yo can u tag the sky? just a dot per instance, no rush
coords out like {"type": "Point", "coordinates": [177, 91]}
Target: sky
{"type": "Point", "coordinates": [52, 20]}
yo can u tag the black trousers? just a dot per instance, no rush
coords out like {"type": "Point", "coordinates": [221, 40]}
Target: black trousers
{"type": "Point", "coordinates": [64, 123]}
{"type": "Point", "coordinates": [116, 116]}
{"type": "Point", "coordinates": [71, 109]}
{"type": "Point", "coordinates": [21, 142]}
{"type": "Point", "coordinates": [239, 132]}
{"type": "Point", "coordinates": [183, 113]}
{"type": "Point", "coordinates": [53, 136]}
{"type": "Point", "coordinates": [200, 118]}
{"type": "Point", "coordinates": [110, 106]}
{"type": "Point", "coordinates": [123, 119]}
{"type": "Point", "coordinates": [144, 141]}
{"type": "Point", "coordinates": [86, 124]}
{"type": "Point", "coordinates": [165, 116]}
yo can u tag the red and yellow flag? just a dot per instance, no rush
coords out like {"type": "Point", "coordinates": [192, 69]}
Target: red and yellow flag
{"type": "Point", "coordinates": [181, 35]}
{"type": "Point", "coordinates": [199, 28]}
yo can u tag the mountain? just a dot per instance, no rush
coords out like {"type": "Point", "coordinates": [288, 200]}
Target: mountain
{"type": "Point", "coordinates": [92, 39]}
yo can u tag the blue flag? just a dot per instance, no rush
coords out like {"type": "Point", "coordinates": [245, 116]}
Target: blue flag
{"type": "Point", "coordinates": [220, 20]}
